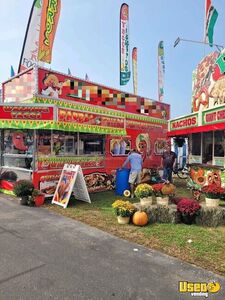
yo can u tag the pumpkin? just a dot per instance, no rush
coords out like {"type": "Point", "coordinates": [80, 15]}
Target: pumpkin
{"type": "Point", "coordinates": [168, 189]}
{"type": "Point", "coordinates": [140, 218]}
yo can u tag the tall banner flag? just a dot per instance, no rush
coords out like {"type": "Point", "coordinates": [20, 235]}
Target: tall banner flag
{"type": "Point", "coordinates": [161, 71]}
{"type": "Point", "coordinates": [134, 69]}
{"type": "Point", "coordinates": [12, 72]}
{"type": "Point", "coordinates": [124, 45]}
{"type": "Point", "coordinates": [49, 22]}
{"type": "Point", "coordinates": [211, 16]}
{"type": "Point", "coordinates": [29, 52]}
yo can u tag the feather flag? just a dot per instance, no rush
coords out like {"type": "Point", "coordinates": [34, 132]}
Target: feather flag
{"type": "Point", "coordinates": [49, 21]}
{"type": "Point", "coordinates": [134, 69]}
{"type": "Point", "coordinates": [69, 72]}
{"type": "Point", "coordinates": [161, 71]}
{"type": "Point", "coordinates": [211, 16]}
{"type": "Point", "coordinates": [124, 45]}
{"type": "Point", "coordinates": [29, 52]}
{"type": "Point", "coordinates": [12, 72]}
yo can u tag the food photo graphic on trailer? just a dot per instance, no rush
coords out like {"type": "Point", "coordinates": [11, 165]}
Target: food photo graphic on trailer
{"type": "Point", "coordinates": [71, 180]}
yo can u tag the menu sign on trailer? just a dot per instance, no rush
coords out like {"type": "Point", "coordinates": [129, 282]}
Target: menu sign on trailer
{"type": "Point", "coordinates": [73, 116]}
{"type": "Point", "coordinates": [26, 112]}
{"type": "Point", "coordinates": [185, 122]}
{"type": "Point", "coordinates": [213, 116]}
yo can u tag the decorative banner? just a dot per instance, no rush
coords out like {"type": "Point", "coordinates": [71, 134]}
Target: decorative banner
{"type": "Point", "coordinates": [31, 41]}
{"type": "Point", "coordinates": [49, 22]}
{"type": "Point", "coordinates": [211, 15]}
{"type": "Point", "coordinates": [208, 83]}
{"type": "Point", "coordinates": [71, 179]}
{"type": "Point", "coordinates": [161, 71]}
{"type": "Point", "coordinates": [134, 69]}
{"type": "Point", "coordinates": [124, 45]}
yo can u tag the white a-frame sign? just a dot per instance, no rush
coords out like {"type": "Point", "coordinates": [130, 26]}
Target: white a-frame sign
{"type": "Point", "coordinates": [71, 179]}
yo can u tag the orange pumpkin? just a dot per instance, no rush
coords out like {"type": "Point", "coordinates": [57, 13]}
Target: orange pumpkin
{"type": "Point", "coordinates": [168, 189]}
{"type": "Point", "coordinates": [140, 218]}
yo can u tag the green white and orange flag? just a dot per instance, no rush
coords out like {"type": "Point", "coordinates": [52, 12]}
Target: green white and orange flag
{"type": "Point", "coordinates": [49, 22]}
{"type": "Point", "coordinates": [161, 71]}
{"type": "Point", "coordinates": [211, 15]}
{"type": "Point", "coordinates": [134, 69]}
{"type": "Point", "coordinates": [124, 45]}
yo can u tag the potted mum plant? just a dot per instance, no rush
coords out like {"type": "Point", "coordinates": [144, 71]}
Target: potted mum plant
{"type": "Point", "coordinates": [188, 210]}
{"type": "Point", "coordinates": [157, 189]}
{"type": "Point", "coordinates": [24, 189]}
{"type": "Point", "coordinates": [212, 194]}
{"type": "Point", "coordinates": [144, 192]}
{"type": "Point", "coordinates": [167, 190]}
{"type": "Point", "coordinates": [123, 210]}
{"type": "Point", "coordinates": [38, 197]}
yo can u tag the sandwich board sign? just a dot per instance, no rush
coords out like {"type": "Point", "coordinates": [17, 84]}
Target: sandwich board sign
{"type": "Point", "coordinates": [71, 180]}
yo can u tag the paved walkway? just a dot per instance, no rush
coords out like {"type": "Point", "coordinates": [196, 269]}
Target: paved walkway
{"type": "Point", "coordinates": [47, 256]}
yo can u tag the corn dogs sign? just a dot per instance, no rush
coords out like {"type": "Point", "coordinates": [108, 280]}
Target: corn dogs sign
{"type": "Point", "coordinates": [71, 180]}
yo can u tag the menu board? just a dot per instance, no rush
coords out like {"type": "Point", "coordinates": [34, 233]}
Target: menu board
{"type": "Point", "coordinates": [71, 180]}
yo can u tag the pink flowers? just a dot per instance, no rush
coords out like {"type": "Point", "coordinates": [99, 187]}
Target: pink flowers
{"type": "Point", "coordinates": [188, 207]}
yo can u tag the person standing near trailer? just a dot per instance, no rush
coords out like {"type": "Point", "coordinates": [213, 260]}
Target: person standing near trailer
{"type": "Point", "coordinates": [136, 162]}
{"type": "Point", "coordinates": [169, 163]}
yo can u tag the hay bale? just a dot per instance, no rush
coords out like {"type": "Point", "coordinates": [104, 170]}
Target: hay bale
{"type": "Point", "coordinates": [211, 216]}
{"type": "Point", "coordinates": [167, 214]}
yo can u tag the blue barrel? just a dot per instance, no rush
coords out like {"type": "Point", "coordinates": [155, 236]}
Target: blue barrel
{"type": "Point", "coordinates": [122, 184]}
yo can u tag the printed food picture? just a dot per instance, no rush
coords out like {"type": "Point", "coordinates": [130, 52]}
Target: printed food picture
{"type": "Point", "coordinates": [143, 145]}
{"type": "Point", "coordinates": [64, 187]}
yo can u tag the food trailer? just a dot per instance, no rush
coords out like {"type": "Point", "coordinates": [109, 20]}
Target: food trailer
{"type": "Point", "coordinates": [48, 119]}
{"type": "Point", "coordinates": [205, 126]}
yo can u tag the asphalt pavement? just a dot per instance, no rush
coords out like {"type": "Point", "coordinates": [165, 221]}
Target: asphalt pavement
{"type": "Point", "coordinates": [47, 256]}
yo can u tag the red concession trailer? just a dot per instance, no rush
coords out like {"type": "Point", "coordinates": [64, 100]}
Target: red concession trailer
{"type": "Point", "coordinates": [48, 119]}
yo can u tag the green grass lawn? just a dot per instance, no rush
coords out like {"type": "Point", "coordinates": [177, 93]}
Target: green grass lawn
{"type": "Point", "coordinates": [201, 246]}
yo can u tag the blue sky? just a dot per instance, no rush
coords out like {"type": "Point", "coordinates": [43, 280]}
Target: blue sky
{"type": "Point", "coordinates": [87, 41]}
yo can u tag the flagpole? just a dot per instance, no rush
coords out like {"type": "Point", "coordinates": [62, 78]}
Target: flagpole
{"type": "Point", "coordinates": [197, 42]}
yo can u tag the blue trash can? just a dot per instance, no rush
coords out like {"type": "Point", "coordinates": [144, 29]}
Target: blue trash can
{"type": "Point", "coordinates": [122, 184]}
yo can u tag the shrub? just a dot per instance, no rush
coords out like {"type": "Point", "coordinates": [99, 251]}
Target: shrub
{"type": "Point", "coordinates": [23, 188]}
